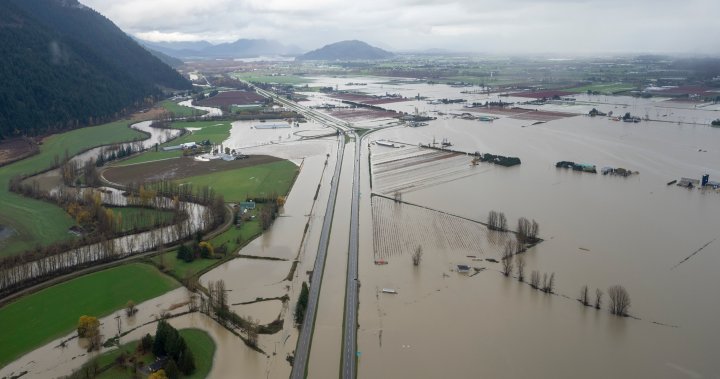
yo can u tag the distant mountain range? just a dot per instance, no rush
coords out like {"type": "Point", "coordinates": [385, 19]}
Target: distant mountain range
{"type": "Point", "coordinates": [242, 48]}
{"type": "Point", "coordinates": [64, 65]}
{"type": "Point", "coordinates": [346, 50]}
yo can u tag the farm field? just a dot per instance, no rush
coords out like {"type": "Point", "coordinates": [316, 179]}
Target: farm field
{"type": "Point", "coordinates": [50, 313]}
{"type": "Point", "coordinates": [141, 218]}
{"type": "Point", "coordinates": [41, 223]}
{"type": "Point", "coordinates": [259, 78]}
{"type": "Point", "coordinates": [255, 181]}
{"type": "Point", "coordinates": [179, 110]}
{"type": "Point", "coordinates": [214, 131]}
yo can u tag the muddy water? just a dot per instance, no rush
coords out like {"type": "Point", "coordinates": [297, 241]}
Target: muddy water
{"type": "Point", "coordinates": [247, 134]}
{"type": "Point", "coordinates": [211, 112]}
{"type": "Point", "coordinates": [263, 311]}
{"type": "Point", "coordinates": [250, 278]}
{"type": "Point", "coordinates": [599, 230]}
{"type": "Point", "coordinates": [324, 359]}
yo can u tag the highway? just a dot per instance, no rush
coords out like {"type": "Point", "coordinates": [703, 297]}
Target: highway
{"type": "Point", "coordinates": [349, 347]}
{"type": "Point", "coordinates": [349, 355]}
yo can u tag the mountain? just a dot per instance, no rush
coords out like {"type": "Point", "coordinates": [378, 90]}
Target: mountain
{"type": "Point", "coordinates": [242, 48]}
{"type": "Point", "coordinates": [168, 60]}
{"type": "Point", "coordinates": [346, 50]}
{"type": "Point", "coordinates": [64, 65]}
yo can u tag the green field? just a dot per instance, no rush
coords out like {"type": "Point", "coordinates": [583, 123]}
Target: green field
{"type": "Point", "coordinates": [181, 110]}
{"type": "Point", "coordinates": [141, 218]}
{"type": "Point", "coordinates": [215, 131]}
{"type": "Point", "coordinates": [233, 238]}
{"type": "Point", "coordinates": [198, 341]}
{"type": "Point", "coordinates": [265, 78]}
{"type": "Point", "coordinates": [41, 223]}
{"type": "Point", "coordinates": [53, 312]}
{"type": "Point", "coordinates": [256, 181]}
{"type": "Point", "coordinates": [607, 89]}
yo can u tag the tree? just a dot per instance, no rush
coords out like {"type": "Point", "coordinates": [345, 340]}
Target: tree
{"type": "Point", "coordinates": [507, 259]}
{"type": "Point", "coordinates": [252, 331]}
{"type": "Point", "coordinates": [417, 256]}
{"type": "Point", "coordinates": [497, 221]}
{"type": "Point", "coordinates": [302, 304]}
{"type": "Point", "coordinates": [521, 268]}
{"type": "Point", "coordinates": [130, 308]}
{"type": "Point", "coordinates": [187, 362]}
{"type": "Point", "coordinates": [146, 343]}
{"type": "Point", "coordinates": [584, 295]}
{"type": "Point", "coordinates": [87, 325]}
{"type": "Point", "coordinates": [159, 374]}
{"type": "Point", "coordinates": [535, 279]}
{"type": "Point", "coordinates": [171, 369]}
{"type": "Point", "coordinates": [550, 284]}
{"type": "Point", "coordinates": [619, 300]}
{"type": "Point", "coordinates": [598, 298]}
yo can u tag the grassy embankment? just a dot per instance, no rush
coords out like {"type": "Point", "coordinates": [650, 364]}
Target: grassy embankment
{"type": "Point", "coordinates": [41, 223]}
{"type": "Point", "coordinates": [141, 218]}
{"type": "Point", "coordinates": [215, 131]}
{"type": "Point", "coordinates": [198, 341]}
{"type": "Point", "coordinates": [180, 110]}
{"type": "Point", "coordinates": [53, 312]}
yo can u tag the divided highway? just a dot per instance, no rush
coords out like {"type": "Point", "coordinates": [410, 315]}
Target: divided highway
{"type": "Point", "coordinates": [302, 351]}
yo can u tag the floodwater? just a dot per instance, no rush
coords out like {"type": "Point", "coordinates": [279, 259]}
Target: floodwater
{"type": "Point", "coordinates": [598, 230]}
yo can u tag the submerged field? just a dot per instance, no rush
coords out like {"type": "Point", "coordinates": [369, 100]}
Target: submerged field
{"type": "Point", "coordinates": [43, 316]}
{"type": "Point", "coordinates": [40, 223]}
{"type": "Point", "coordinates": [179, 110]}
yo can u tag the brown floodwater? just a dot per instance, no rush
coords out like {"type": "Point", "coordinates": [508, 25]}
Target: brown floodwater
{"type": "Point", "coordinates": [598, 230]}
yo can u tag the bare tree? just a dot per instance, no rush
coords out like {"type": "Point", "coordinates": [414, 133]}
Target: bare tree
{"type": "Point", "coordinates": [619, 300]}
{"type": "Point", "coordinates": [550, 284]}
{"type": "Point", "coordinates": [598, 298]}
{"type": "Point", "coordinates": [497, 221]}
{"type": "Point", "coordinates": [535, 279]}
{"type": "Point", "coordinates": [584, 295]}
{"type": "Point", "coordinates": [417, 256]}
{"type": "Point", "coordinates": [521, 269]}
{"type": "Point", "coordinates": [507, 259]}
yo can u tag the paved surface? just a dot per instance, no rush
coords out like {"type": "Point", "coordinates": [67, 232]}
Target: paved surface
{"type": "Point", "coordinates": [349, 355]}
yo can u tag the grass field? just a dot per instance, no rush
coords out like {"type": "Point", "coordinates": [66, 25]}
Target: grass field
{"type": "Point", "coordinates": [260, 78]}
{"type": "Point", "coordinates": [198, 341]}
{"type": "Point", "coordinates": [180, 110]}
{"type": "Point", "coordinates": [141, 218]}
{"type": "Point", "coordinates": [41, 223]}
{"type": "Point", "coordinates": [607, 89]}
{"type": "Point", "coordinates": [233, 238]}
{"type": "Point", "coordinates": [53, 312]}
{"type": "Point", "coordinates": [215, 131]}
{"type": "Point", "coordinates": [256, 181]}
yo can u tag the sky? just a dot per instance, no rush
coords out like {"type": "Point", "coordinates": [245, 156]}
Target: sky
{"type": "Point", "coordinates": [489, 26]}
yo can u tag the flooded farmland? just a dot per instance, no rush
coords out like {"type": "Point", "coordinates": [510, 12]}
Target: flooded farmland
{"type": "Point", "coordinates": [599, 231]}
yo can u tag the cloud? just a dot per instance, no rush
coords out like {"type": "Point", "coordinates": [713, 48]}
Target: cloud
{"type": "Point", "coordinates": [469, 25]}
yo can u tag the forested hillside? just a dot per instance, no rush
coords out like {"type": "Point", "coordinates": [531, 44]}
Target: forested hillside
{"type": "Point", "coordinates": [64, 65]}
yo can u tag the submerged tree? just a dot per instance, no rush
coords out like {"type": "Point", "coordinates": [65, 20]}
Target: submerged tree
{"type": "Point", "coordinates": [417, 256]}
{"type": "Point", "coordinates": [598, 298]}
{"type": "Point", "coordinates": [535, 279]}
{"type": "Point", "coordinates": [619, 300]}
{"type": "Point", "coordinates": [584, 295]}
{"type": "Point", "coordinates": [521, 268]}
{"type": "Point", "coordinates": [507, 259]}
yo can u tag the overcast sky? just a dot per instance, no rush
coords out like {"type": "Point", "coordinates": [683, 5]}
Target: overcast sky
{"type": "Point", "coordinates": [494, 26]}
